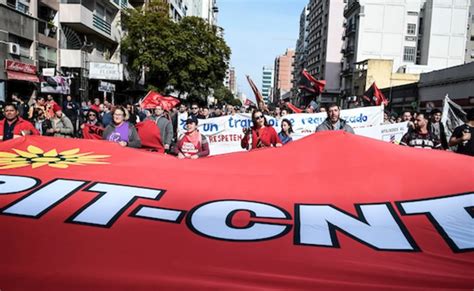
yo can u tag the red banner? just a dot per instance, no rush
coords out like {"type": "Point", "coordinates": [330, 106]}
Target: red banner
{"type": "Point", "coordinates": [20, 67]}
{"type": "Point", "coordinates": [342, 212]}
{"type": "Point", "coordinates": [92, 131]}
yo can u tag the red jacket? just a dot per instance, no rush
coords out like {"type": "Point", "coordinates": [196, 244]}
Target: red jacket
{"type": "Point", "coordinates": [263, 137]}
{"type": "Point", "coordinates": [20, 125]}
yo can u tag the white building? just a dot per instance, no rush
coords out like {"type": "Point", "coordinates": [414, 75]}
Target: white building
{"type": "Point", "coordinates": [206, 9]}
{"type": "Point", "coordinates": [470, 36]}
{"type": "Point", "coordinates": [427, 33]}
{"type": "Point", "coordinates": [267, 83]}
{"type": "Point", "coordinates": [90, 35]}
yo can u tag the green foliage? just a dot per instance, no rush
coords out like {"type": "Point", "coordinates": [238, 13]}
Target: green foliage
{"type": "Point", "coordinates": [187, 56]}
{"type": "Point", "coordinates": [224, 95]}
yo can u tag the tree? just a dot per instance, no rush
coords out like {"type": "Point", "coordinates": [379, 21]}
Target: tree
{"type": "Point", "coordinates": [149, 42]}
{"type": "Point", "coordinates": [187, 57]}
{"type": "Point", "coordinates": [224, 95]}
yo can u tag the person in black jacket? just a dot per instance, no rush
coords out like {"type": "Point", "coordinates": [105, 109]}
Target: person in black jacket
{"type": "Point", "coordinates": [71, 110]}
{"type": "Point", "coordinates": [437, 128]}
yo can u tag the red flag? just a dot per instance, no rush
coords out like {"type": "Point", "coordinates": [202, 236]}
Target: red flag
{"type": "Point", "coordinates": [92, 131]}
{"type": "Point", "coordinates": [317, 85]}
{"type": "Point", "coordinates": [150, 136]}
{"type": "Point", "coordinates": [258, 95]}
{"type": "Point", "coordinates": [248, 102]}
{"type": "Point", "coordinates": [375, 96]}
{"type": "Point", "coordinates": [153, 99]}
{"type": "Point", "coordinates": [293, 108]}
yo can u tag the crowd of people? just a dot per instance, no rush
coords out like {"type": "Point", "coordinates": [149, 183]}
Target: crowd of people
{"type": "Point", "coordinates": [157, 129]}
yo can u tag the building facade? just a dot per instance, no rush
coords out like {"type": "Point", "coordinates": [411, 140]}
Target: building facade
{"type": "Point", "coordinates": [325, 29]}
{"type": "Point", "coordinates": [283, 75]}
{"type": "Point", "coordinates": [230, 80]}
{"type": "Point", "coordinates": [28, 44]}
{"type": "Point", "coordinates": [422, 35]}
{"type": "Point", "coordinates": [267, 83]}
{"type": "Point", "coordinates": [300, 56]}
{"type": "Point", "coordinates": [70, 46]}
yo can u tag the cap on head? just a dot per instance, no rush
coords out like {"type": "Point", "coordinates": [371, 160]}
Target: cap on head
{"type": "Point", "coordinates": [192, 119]}
{"type": "Point", "coordinates": [56, 108]}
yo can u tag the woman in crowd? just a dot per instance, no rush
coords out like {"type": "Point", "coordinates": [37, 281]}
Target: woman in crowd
{"type": "Point", "coordinates": [192, 144]}
{"type": "Point", "coordinates": [286, 131]}
{"type": "Point", "coordinates": [262, 134]}
{"type": "Point", "coordinates": [121, 131]}
{"type": "Point", "coordinates": [41, 123]}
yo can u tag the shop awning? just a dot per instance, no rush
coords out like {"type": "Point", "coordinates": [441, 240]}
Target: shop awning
{"type": "Point", "coordinates": [22, 77]}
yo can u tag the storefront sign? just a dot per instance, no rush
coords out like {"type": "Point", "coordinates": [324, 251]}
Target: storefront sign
{"type": "Point", "coordinates": [49, 72]}
{"type": "Point", "coordinates": [106, 71]}
{"type": "Point", "coordinates": [106, 87]}
{"type": "Point", "coordinates": [20, 67]}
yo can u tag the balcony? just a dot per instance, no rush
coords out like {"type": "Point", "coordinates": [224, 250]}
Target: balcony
{"type": "Point", "coordinates": [349, 50]}
{"type": "Point", "coordinates": [350, 29]}
{"type": "Point", "coordinates": [84, 20]}
{"type": "Point", "coordinates": [351, 6]}
{"type": "Point", "coordinates": [47, 33]}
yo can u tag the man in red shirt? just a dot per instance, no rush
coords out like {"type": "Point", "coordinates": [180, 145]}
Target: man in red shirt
{"type": "Point", "coordinates": [14, 126]}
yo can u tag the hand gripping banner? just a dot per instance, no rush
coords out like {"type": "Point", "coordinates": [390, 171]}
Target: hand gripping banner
{"type": "Point", "coordinates": [330, 211]}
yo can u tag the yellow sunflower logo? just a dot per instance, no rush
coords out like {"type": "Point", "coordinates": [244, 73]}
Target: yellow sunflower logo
{"type": "Point", "coordinates": [36, 157]}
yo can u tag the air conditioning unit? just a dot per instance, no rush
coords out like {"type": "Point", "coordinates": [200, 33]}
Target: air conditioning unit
{"type": "Point", "coordinates": [14, 48]}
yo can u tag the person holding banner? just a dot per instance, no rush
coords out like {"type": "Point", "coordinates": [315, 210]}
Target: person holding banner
{"type": "Point", "coordinates": [193, 144]}
{"type": "Point", "coordinates": [92, 128]}
{"type": "Point", "coordinates": [121, 131]}
{"type": "Point", "coordinates": [262, 134]}
{"type": "Point", "coordinates": [286, 131]}
{"type": "Point", "coordinates": [333, 121]}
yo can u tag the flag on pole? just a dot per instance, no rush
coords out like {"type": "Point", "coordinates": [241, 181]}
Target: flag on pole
{"type": "Point", "coordinates": [256, 92]}
{"type": "Point", "coordinates": [453, 116]}
{"type": "Point", "coordinates": [153, 99]}
{"type": "Point", "coordinates": [315, 86]}
{"type": "Point", "coordinates": [248, 102]}
{"type": "Point", "coordinates": [375, 96]}
{"type": "Point", "coordinates": [293, 108]}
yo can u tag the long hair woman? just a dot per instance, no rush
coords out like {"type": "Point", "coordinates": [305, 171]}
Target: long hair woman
{"type": "Point", "coordinates": [286, 131]}
{"type": "Point", "coordinates": [262, 134]}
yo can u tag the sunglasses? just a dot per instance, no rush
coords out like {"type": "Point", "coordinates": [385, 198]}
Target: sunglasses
{"type": "Point", "coordinates": [91, 114]}
{"type": "Point", "coordinates": [258, 117]}
{"type": "Point", "coordinates": [194, 107]}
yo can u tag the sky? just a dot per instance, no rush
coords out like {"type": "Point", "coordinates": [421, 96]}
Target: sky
{"type": "Point", "coordinates": [257, 31]}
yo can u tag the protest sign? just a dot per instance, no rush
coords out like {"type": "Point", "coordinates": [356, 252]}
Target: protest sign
{"type": "Point", "coordinates": [225, 133]}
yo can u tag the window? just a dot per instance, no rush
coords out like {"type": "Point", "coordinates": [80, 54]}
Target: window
{"type": "Point", "coordinates": [409, 54]}
{"type": "Point", "coordinates": [411, 29]}
{"type": "Point", "coordinates": [19, 5]}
